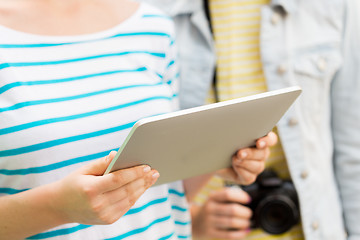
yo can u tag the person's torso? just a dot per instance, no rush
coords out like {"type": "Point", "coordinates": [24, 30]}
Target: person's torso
{"type": "Point", "coordinates": [236, 30]}
{"type": "Point", "coordinates": [65, 101]}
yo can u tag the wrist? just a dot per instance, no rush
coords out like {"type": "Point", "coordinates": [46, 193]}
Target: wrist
{"type": "Point", "coordinates": [50, 198]}
{"type": "Point", "coordinates": [55, 201]}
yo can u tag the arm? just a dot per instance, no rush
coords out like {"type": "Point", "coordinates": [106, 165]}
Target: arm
{"type": "Point", "coordinates": [346, 122]}
{"type": "Point", "coordinates": [85, 196]}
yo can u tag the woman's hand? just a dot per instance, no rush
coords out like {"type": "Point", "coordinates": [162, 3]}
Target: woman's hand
{"type": "Point", "coordinates": [222, 216]}
{"type": "Point", "coordinates": [88, 197]}
{"type": "Point", "coordinates": [248, 163]}
{"type": "Point", "coordinates": [84, 196]}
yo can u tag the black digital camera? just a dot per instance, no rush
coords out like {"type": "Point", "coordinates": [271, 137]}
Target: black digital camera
{"type": "Point", "coordinates": [274, 203]}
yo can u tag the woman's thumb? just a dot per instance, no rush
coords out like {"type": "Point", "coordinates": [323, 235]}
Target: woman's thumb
{"type": "Point", "coordinates": [98, 167]}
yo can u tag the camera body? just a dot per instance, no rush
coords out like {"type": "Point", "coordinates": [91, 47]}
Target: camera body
{"type": "Point", "coordinates": [274, 203]}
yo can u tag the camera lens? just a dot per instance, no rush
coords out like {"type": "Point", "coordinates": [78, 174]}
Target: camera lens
{"type": "Point", "coordinates": [276, 214]}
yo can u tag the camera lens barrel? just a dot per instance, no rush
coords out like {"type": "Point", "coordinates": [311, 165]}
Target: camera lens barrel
{"type": "Point", "coordinates": [276, 214]}
{"type": "Point", "coordinates": [274, 203]}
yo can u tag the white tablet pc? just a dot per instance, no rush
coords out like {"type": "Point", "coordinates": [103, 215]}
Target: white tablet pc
{"type": "Point", "coordinates": [201, 140]}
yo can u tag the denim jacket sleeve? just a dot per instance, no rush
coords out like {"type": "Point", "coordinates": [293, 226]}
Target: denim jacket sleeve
{"type": "Point", "coordinates": [195, 47]}
{"type": "Point", "coordinates": [316, 45]}
{"type": "Point", "coordinates": [346, 121]}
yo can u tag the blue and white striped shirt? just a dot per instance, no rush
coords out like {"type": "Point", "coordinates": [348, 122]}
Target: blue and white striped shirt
{"type": "Point", "coordinates": [68, 100]}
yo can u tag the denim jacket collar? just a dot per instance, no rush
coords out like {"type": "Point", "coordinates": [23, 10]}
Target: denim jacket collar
{"type": "Point", "coordinates": [178, 7]}
{"type": "Point", "coordinates": [290, 6]}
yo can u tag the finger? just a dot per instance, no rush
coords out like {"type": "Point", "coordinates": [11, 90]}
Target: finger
{"type": "Point", "coordinates": [139, 184]}
{"type": "Point", "coordinates": [119, 208]}
{"type": "Point", "coordinates": [125, 204]}
{"type": "Point", "coordinates": [230, 222]}
{"type": "Point", "coordinates": [98, 167]}
{"type": "Point", "coordinates": [269, 140]}
{"type": "Point", "coordinates": [245, 177]}
{"type": "Point", "coordinates": [226, 234]}
{"type": "Point", "coordinates": [235, 210]}
{"type": "Point", "coordinates": [229, 174]}
{"type": "Point", "coordinates": [251, 154]}
{"type": "Point", "coordinates": [122, 177]}
{"type": "Point", "coordinates": [253, 166]}
{"type": "Point", "coordinates": [228, 194]}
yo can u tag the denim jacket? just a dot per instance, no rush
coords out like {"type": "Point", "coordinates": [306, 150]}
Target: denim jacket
{"type": "Point", "coordinates": [314, 44]}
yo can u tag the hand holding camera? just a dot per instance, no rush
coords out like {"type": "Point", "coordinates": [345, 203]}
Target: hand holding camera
{"type": "Point", "coordinates": [270, 203]}
{"type": "Point", "coordinates": [224, 209]}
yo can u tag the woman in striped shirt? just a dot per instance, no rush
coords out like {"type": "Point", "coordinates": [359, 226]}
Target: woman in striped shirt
{"type": "Point", "coordinates": [74, 77]}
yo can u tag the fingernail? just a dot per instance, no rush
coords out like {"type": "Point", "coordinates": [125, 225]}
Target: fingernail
{"type": "Point", "coordinates": [147, 169]}
{"type": "Point", "coordinates": [243, 155]}
{"type": "Point", "coordinates": [249, 200]}
{"type": "Point", "coordinates": [155, 175]}
{"type": "Point", "coordinates": [262, 144]}
{"type": "Point", "coordinates": [248, 230]}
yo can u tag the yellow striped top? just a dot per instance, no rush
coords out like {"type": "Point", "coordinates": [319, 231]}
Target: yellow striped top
{"type": "Point", "coordinates": [236, 28]}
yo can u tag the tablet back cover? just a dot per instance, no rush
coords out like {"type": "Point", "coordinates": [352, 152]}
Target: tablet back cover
{"type": "Point", "coordinates": [201, 140]}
